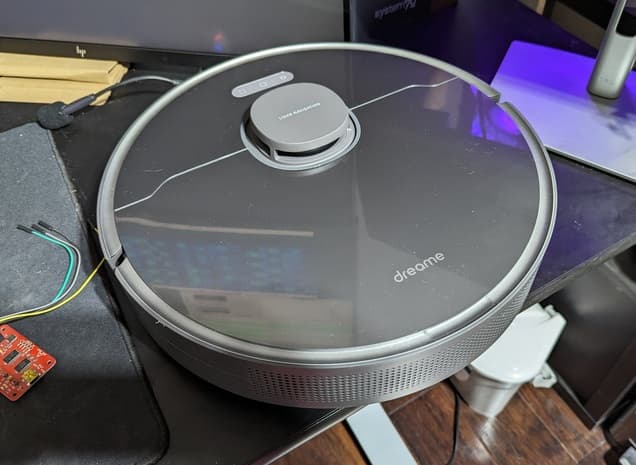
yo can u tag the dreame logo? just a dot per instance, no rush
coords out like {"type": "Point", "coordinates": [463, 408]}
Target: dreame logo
{"type": "Point", "coordinates": [403, 275]}
{"type": "Point", "coordinates": [404, 5]}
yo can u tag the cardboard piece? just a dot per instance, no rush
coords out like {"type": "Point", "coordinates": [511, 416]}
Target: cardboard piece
{"type": "Point", "coordinates": [41, 79]}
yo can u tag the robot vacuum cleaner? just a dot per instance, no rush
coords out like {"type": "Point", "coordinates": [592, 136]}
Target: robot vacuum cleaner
{"type": "Point", "coordinates": [327, 225]}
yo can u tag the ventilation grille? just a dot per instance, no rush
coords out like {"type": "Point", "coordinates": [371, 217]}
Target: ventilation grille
{"type": "Point", "coordinates": [280, 386]}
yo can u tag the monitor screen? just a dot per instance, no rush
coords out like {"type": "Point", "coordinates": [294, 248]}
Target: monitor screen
{"type": "Point", "coordinates": [197, 26]}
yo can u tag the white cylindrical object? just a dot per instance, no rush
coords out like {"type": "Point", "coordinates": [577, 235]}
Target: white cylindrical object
{"type": "Point", "coordinates": [516, 358]}
{"type": "Point", "coordinates": [484, 395]}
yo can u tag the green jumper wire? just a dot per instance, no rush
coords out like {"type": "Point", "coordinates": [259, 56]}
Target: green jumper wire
{"type": "Point", "coordinates": [71, 262]}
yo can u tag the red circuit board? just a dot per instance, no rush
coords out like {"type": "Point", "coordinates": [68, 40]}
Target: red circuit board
{"type": "Point", "coordinates": [22, 363]}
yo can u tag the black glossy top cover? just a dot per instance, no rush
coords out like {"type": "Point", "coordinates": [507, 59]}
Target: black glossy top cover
{"type": "Point", "coordinates": [428, 211]}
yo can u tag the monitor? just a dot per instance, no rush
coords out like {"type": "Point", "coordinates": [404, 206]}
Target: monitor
{"type": "Point", "coordinates": [131, 30]}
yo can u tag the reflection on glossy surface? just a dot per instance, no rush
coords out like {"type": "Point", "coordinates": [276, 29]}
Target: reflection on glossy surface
{"type": "Point", "coordinates": [309, 260]}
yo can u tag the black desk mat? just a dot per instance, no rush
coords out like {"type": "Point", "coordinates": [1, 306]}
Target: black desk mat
{"type": "Point", "coordinates": [94, 406]}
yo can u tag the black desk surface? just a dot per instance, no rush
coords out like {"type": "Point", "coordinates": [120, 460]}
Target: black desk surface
{"type": "Point", "coordinates": [596, 220]}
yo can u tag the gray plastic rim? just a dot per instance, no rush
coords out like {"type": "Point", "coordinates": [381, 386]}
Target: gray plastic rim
{"type": "Point", "coordinates": [327, 157]}
{"type": "Point", "coordinates": [484, 308]}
